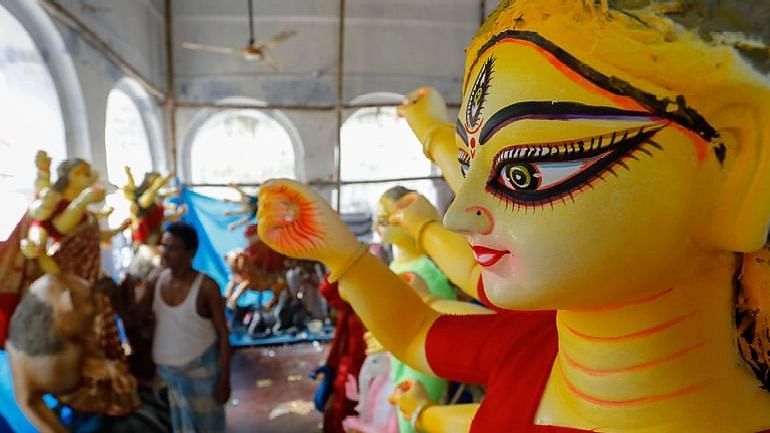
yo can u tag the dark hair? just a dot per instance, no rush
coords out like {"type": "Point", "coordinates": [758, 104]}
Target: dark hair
{"type": "Point", "coordinates": [63, 173]}
{"type": "Point", "coordinates": [397, 192]}
{"type": "Point", "coordinates": [186, 233]}
{"type": "Point", "coordinates": [32, 328]}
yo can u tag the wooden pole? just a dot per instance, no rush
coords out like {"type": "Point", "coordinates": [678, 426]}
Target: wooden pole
{"type": "Point", "coordinates": [482, 11]}
{"type": "Point", "coordinates": [170, 102]}
{"type": "Point", "coordinates": [340, 97]}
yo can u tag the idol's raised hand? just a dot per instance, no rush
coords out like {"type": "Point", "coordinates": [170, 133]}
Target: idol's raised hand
{"type": "Point", "coordinates": [413, 212]}
{"type": "Point", "coordinates": [296, 221]}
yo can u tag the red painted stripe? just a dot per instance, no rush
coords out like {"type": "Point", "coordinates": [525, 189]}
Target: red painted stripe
{"type": "Point", "coordinates": [619, 305]}
{"type": "Point", "coordinates": [482, 295]}
{"type": "Point", "coordinates": [639, 334]}
{"type": "Point", "coordinates": [634, 368]}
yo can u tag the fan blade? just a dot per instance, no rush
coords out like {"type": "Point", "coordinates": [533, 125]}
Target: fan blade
{"type": "Point", "coordinates": [271, 63]}
{"type": "Point", "coordinates": [279, 37]}
{"type": "Point", "coordinates": [209, 48]}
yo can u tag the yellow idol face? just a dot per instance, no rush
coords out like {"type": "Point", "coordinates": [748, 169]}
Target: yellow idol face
{"type": "Point", "coordinates": [580, 190]}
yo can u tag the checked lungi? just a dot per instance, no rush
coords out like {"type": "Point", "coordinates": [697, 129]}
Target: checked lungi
{"type": "Point", "coordinates": [191, 394]}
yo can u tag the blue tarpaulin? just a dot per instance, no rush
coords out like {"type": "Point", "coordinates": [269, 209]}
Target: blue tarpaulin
{"type": "Point", "coordinates": [207, 215]}
{"type": "Point", "coordinates": [4, 426]}
{"type": "Point", "coordinates": [14, 418]}
{"type": "Point", "coordinates": [11, 417]}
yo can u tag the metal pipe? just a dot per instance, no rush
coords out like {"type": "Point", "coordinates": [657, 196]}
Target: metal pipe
{"type": "Point", "coordinates": [340, 97]}
{"type": "Point", "coordinates": [247, 106]}
{"type": "Point", "coordinates": [251, 23]}
{"type": "Point", "coordinates": [170, 102]}
{"type": "Point", "coordinates": [320, 183]}
{"type": "Point", "coordinates": [70, 20]}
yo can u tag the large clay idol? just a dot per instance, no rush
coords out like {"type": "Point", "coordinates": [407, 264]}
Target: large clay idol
{"type": "Point", "coordinates": [616, 172]}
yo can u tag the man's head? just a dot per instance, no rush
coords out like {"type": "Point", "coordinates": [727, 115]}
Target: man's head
{"type": "Point", "coordinates": [178, 245]}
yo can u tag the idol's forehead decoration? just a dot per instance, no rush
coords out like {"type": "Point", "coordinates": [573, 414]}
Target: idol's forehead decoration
{"type": "Point", "coordinates": [478, 96]}
{"type": "Point", "coordinates": [651, 106]}
{"type": "Point", "coordinates": [654, 55]}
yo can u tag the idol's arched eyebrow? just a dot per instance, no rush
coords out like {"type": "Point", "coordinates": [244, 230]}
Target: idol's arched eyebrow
{"type": "Point", "coordinates": [658, 107]}
{"type": "Point", "coordinates": [547, 110]}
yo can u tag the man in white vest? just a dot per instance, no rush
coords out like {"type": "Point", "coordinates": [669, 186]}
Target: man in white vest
{"type": "Point", "coordinates": [191, 346]}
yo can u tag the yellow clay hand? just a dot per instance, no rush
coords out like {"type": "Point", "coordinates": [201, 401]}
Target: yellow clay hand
{"type": "Point", "coordinates": [42, 161]}
{"type": "Point", "coordinates": [294, 220]}
{"type": "Point", "coordinates": [413, 212]}
{"type": "Point", "coordinates": [408, 396]}
{"type": "Point", "coordinates": [93, 194]}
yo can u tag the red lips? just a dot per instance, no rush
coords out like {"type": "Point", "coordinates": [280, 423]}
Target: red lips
{"type": "Point", "coordinates": [487, 256]}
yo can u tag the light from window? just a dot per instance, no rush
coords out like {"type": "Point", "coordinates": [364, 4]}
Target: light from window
{"type": "Point", "coordinates": [241, 146]}
{"type": "Point", "coordinates": [31, 119]}
{"type": "Point", "coordinates": [376, 144]}
{"type": "Point", "coordinates": [126, 144]}
{"type": "Point", "coordinates": [121, 252]}
{"type": "Point", "coordinates": [14, 206]}
{"type": "Point", "coordinates": [125, 138]}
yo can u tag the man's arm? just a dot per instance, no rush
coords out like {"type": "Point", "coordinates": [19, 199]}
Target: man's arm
{"type": "Point", "coordinates": [216, 306]}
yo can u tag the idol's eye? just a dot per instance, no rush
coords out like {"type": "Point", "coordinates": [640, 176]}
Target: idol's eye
{"type": "Point", "coordinates": [538, 174]}
{"type": "Point", "coordinates": [465, 162]}
{"type": "Point", "coordinates": [526, 176]}
{"type": "Point", "coordinates": [520, 176]}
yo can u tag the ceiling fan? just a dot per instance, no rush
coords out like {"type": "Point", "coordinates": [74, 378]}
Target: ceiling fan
{"type": "Point", "coordinates": [254, 50]}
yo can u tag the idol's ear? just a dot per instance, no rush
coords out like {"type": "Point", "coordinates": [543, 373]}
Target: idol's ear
{"type": "Point", "coordinates": [741, 212]}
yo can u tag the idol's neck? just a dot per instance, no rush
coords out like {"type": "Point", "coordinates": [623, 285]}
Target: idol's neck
{"type": "Point", "coordinates": [660, 362]}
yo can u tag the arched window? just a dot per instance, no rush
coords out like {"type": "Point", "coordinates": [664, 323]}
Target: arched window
{"type": "Point", "coordinates": [126, 133]}
{"type": "Point", "coordinates": [241, 146]}
{"type": "Point", "coordinates": [377, 144]}
{"type": "Point", "coordinates": [129, 133]}
{"type": "Point", "coordinates": [31, 118]}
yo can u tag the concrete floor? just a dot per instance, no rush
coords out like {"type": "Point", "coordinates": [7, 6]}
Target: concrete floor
{"type": "Point", "coordinates": [271, 389]}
